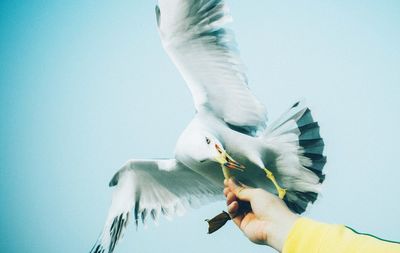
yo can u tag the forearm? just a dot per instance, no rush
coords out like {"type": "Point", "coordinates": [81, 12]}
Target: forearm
{"type": "Point", "coordinates": [314, 237]}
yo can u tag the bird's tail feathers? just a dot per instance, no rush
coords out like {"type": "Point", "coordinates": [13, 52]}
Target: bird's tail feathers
{"type": "Point", "coordinates": [298, 136]}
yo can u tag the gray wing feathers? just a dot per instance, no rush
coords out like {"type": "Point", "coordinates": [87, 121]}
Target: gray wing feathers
{"type": "Point", "coordinates": [150, 188]}
{"type": "Point", "coordinates": [205, 52]}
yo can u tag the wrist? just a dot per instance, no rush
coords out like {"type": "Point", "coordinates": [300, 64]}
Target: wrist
{"type": "Point", "coordinates": [276, 232]}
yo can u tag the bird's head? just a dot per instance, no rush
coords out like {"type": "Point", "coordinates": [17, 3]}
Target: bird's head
{"type": "Point", "coordinates": [203, 147]}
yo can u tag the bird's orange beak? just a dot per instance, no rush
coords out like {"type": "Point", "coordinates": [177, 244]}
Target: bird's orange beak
{"type": "Point", "coordinates": [226, 160]}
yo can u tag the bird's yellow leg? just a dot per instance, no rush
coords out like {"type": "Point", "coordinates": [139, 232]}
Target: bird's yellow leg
{"type": "Point", "coordinates": [270, 176]}
{"type": "Point", "coordinates": [227, 173]}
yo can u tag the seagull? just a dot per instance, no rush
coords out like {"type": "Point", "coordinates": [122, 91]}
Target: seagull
{"type": "Point", "coordinates": [228, 136]}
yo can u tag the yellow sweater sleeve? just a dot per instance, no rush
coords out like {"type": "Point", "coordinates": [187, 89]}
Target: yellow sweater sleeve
{"type": "Point", "coordinates": [308, 236]}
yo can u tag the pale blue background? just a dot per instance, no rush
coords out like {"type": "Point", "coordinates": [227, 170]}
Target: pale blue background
{"type": "Point", "coordinates": [85, 85]}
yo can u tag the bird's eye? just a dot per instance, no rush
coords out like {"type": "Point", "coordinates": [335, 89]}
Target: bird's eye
{"type": "Point", "coordinates": [208, 140]}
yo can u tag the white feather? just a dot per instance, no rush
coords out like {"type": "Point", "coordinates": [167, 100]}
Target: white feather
{"type": "Point", "coordinates": [193, 35]}
{"type": "Point", "coordinates": [150, 188]}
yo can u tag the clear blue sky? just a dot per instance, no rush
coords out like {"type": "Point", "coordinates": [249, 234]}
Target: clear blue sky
{"type": "Point", "coordinates": [85, 85]}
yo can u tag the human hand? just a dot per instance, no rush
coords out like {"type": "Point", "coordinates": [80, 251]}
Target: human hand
{"type": "Point", "coordinates": [267, 222]}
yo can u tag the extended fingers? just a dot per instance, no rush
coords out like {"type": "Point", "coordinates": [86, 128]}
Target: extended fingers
{"type": "Point", "coordinates": [232, 203]}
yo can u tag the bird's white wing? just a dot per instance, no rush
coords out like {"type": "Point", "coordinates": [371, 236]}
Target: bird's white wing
{"type": "Point", "coordinates": [149, 188]}
{"type": "Point", "coordinates": [194, 35]}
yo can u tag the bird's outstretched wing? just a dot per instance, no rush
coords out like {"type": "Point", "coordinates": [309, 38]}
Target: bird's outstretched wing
{"type": "Point", "coordinates": [149, 188]}
{"type": "Point", "coordinates": [194, 35]}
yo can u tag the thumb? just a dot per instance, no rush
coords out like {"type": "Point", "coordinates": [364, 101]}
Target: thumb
{"type": "Point", "coordinates": [242, 193]}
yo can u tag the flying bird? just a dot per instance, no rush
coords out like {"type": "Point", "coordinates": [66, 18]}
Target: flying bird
{"type": "Point", "coordinates": [228, 131]}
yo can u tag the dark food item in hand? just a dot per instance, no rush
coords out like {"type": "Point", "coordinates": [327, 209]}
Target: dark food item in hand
{"type": "Point", "coordinates": [220, 220]}
{"type": "Point", "coordinates": [217, 222]}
